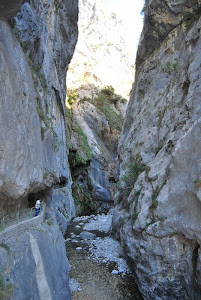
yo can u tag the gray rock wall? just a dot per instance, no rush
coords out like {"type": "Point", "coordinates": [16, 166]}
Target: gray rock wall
{"type": "Point", "coordinates": [35, 52]}
{"type": "Point", "coordinates": [101, 171]}
{"type": "Point", "coordinates": [157, 211]}
{"type": "Point", "coordinates": [33, 262]}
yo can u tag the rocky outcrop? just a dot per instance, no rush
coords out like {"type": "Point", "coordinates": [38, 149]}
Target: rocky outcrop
{"type": "Point", "coordinates": [97, 169]}
{"type": "Point", "coordinates": [157, 207]}
{"type": "Point", "coordinates": [159, 20]}
{"type": "Point", "coordinates": [33, 262]}
{"type": "Point", "coordinates": [35, 52]}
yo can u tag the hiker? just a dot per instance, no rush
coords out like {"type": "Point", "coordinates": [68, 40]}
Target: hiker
{"type": "Point", "coordinates": [37, 207]}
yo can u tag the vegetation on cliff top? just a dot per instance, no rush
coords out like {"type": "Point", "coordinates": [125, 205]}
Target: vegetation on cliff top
{"type": "Point", "coordinates": [103, 101]}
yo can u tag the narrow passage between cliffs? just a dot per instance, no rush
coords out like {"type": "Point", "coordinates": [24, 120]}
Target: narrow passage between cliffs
{"type": "Point", "coordinates": [97, 269]}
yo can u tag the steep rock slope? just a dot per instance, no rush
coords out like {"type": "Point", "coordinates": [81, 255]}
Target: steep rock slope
{"type": "Point", "coordinates": [35, 52]}
{"type": "Point", "coordinates": [157, 207]}
{"type": "Point", "coordinates": [103, 54]}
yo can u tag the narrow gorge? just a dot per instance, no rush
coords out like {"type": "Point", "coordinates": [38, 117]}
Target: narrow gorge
{"type": "Point", "coordinates": [130, 160]}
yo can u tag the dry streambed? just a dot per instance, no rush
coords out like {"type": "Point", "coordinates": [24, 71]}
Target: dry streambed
{"type": "Point", "coordinates": [98, 272]}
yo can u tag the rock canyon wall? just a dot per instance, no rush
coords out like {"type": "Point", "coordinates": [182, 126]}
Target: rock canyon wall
{"type": "Point", "coordinates": [36, 46]}
{"type": "Point", "coordinates": [158, 204]}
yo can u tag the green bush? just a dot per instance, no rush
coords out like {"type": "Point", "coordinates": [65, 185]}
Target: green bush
{"type": "Point", "coordinates": [155, 195]}
{"type": "Point", "coordinates": [103, 104]}
{"type": "Point", "coordinates": [171, 66]}
{"type": "Point", "coordinates": [108, 90]}
{"type": "Point", "coordinates": [133, 170]}
{"type": "Point", "coordinates": [72, 95]}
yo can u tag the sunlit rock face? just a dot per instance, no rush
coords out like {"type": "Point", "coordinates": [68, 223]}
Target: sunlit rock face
{"type": "Point", "coordinates": [35, 52]}
{"type": "Point", "coordinates": [104, 55]}
{"type": "Point", "coordinates": [158, 205]}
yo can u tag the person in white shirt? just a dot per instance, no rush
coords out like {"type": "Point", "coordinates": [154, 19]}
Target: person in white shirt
{"type": "Point", "coordinates": [37, 207]}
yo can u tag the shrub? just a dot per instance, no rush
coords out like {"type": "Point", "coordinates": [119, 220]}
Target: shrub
{"type": "Point", "coordinates": [108, 90]}
{"type": "Point", "coordinates": [155, 195]}
{"type": "Point", "coordinates": [103, 104]}
{"type": "Point", "coordinates": [197, 183]}
{"type": "Point", "coordinates": [171, 66]}
{"type": "Point", "coordinates": [72, 95]}
{"type": "Point", "coordinates": [131, 175]}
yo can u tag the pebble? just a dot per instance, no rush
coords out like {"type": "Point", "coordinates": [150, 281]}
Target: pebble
{"type": "Point", "coordinates": [85, 235]}
{"type": "Point", "coordinates": [77, 226]}
{"type": "Point", "coordinates": [114, 272]}
{"type": "Point", "coordinates": [79, 248]}
{"type": "Point", "coordinates": [74, 285]}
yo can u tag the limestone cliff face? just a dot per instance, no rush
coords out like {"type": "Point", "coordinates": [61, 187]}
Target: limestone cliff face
{"type": "Point", "coordinates": [158, 205]}
{"type": "Point", "coordinates": [103, 54]}
{"type": "Point", "coordinates": [94, 168]}
{"type": "Point", "coordinates": [36, 48]}
{"type": "Point", "coordinates": [33, 262]}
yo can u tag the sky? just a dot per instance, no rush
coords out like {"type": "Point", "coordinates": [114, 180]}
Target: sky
{"type": "Point", "coordinates": [129, 11]}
